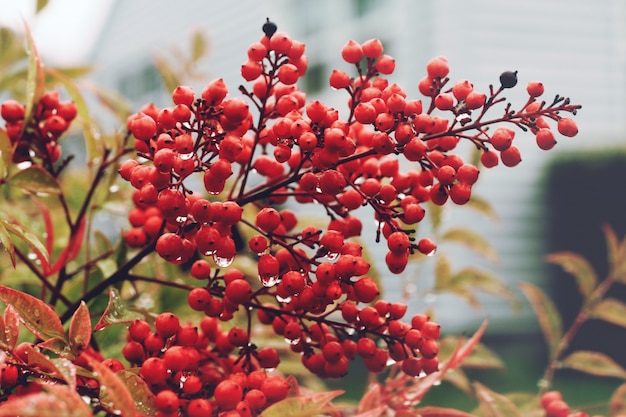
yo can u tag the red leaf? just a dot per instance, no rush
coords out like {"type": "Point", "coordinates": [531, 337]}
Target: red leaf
{"type": "Point", "coordinates": [11, 326]}
{"type": "Point", "coordinates": [80, 329]}
{"type": "Point", "coordinates": [119, 399]}
{"type": "Point", "coordinates": [36, 315]}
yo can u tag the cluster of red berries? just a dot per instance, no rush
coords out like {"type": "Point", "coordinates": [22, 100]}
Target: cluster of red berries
{"type": "Point", "coordinates": [273, 149]}
{"type": "Point", "coordinates": [554, 406]}
{"type": "Point", "coordinates": [37, 137]}
{"type": "Point", "coordinates": [195, 370]}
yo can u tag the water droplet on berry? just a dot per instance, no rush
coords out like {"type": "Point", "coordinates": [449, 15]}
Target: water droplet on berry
{"type": "Point", "coordinates": [181, 219]}
{"type": "Point", "coordinates": [185, 156]}
{"type": "Point", "coordinates": [208, 253]}
{"type": "Point", "coordinates": [350, 331]}
{"type": "Point", "coordinates": [390, 362]}
{"type": "Point", "coordinates": [223, 262]}
{"type": "Point", "coordinates": [269, 281]}
{"type": "Point", "coordinates": [214, 192]}
{"type": "Point", "coordinates": [463, 118]}
{"type": "Point", "coordinates": [432, 252]}
{"type": "Point", "coordinates": [283, 299]}
{"type": "Point", "coordinates": [331, 256]}
{"type": "Point", "coordinates": [292, 341]}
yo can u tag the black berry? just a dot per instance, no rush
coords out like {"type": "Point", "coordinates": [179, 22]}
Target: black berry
{"type": "Point", "coordinates": [269, 28]}
{"type": "Point", "coordinates": [508, 79]}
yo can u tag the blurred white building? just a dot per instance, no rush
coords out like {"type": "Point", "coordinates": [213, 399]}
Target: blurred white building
{"type": "Point", "coordinates": [575, 47]}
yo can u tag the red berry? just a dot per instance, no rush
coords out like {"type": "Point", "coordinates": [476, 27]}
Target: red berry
{"type": "Point", "coordinates": [489, 159]}
{"type": "Point", "coordinates": [338, 80]}
{"type": "Point", "coordinates": [167, 324]}
{"type": "Point", "coordinates": [275, 388]}
{"type": "Point", "coordinates": [352, 52]}
{"type": "Point", "coordinates": [550, 396]}
{"type": "Point", "coordinates": [199, 407]}
{"type": "Point", "coordinates": [557, 408]}
{"type": "Point", "coordinates": [502, 138]}
{"type": "Point", "coordinates": [437, 67]}
{"type": "Point", "coordinates": [154, 371]}
{"type": "Point", "coordinates": [183, 95]}
{"type": "Point", "coordinates": [138, 330]}
{"type": "Point", "coordinates": [535, 88]}
{"type": "Point", "coordinates": [227, 394]}
{"type": "Point", "coordinates": [12, 111]}
{"type": "Point", "coordinates": [386, 64]}
{"type": "Point", "coordinates": [167, 401]}
{"type": "Point", "coordinates": [545, 139]}
{"type": "Point", "coordinates": [567, 127]}
{"type": "Point", "coordinates": [372, 48]}
{"type": "Point", "coordinates": [511, 157]}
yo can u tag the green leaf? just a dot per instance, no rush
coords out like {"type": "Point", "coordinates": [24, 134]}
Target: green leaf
{"type": "Point", "coordinates": [302, 406]}
{"type": "Point", "coordinates": [472, 240]}
{"type": "Point", "coordinates": [91, 143]}
{"type": "Point", "coordinates": [579, 267]}
{"type": "Point", "coordinates": [616, 254]}
{"type": "Point", "coordinates": [492, 404]}
{"type": "Point", "coordinates": [7, 243]}
{"type": "Point", "coordinates": [6, 153]}
{"type": "Point", "coordinates": [31, 240]}
{"type": "Point", "coordinates": [115, 396]}
{"type": "Point", "coordinates": [140, 391]}
{"type": "Point", "coordinates": [594, 363]}
{"type": "Point", "coordinates": [610, 310]}
{"type": "Point", "coordinates": [35, 77]}
{"type": "Point", "coordinates": [547, 314]}
{"type": "Point", "coordinates": [36, 315]}
{"type": "Point", "coordinates": [617, 403]}
{"type": "Point", "coordinates": [459, 379]}
{"type": "Point", "coordinates": [116, 312]}
{"type": "Point", "coordinates": [80, 329]}
{"type": "Point", "coordinates": [36, 180]}
{"type": "Point", "coordinates": [435, 213]}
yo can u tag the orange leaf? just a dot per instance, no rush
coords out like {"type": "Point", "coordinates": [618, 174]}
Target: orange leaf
{"type": "Point", "coordinates": [36, 315]}
{"type": "Point", "coordinates": [617, 403]}
{"type": "Point", "coordinates": [432, 411]}
{"type": "Point", "coordinates": [80, 329]}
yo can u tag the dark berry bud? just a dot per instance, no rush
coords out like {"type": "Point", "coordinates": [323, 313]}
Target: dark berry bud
{"type": "Point", "coordinates": [269, 28]}
{"type": "Point", "coordinates": [508, 79]}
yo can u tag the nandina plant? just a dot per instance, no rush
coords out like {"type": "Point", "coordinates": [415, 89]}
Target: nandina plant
{"type": "Point", "coordinates": [216, 181]}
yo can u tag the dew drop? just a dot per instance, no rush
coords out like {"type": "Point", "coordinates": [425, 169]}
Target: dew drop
{"type": "Point", "coordinates": [214, 192]}
{"type": "Point", "coordinates": [351, 331]}
{"type": "Point", "coordinates": [463, 118]}
{"type": "Point", "coordinates": [24, 165]}
{"type": "Point", "coordinates": [114, 188]}
{"type": "Point", "coordinates": [432, 252]}
{"type": "Point", "coordinates": [209, 253]}
{"type": "Point", "coordinates": [181, 219]}
{"type": "Point", "coordinates": [185, 156]}
{"type": "Point", "coordinates": [223, 262]}
{"type": "Point", "coordinates": [331, 256]}
{"type": "Point", "coordinates": [292, 341]}
{"type": "Point", "coordinates": [390, 362]}
{"type": "Point", "coordinates": [283, 299]}
{"type": "Point", "coordinates": [32, 256]}
{"type": "Point", "coordinates": [269, 281]}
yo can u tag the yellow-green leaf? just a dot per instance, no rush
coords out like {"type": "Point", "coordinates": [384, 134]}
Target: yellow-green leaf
{"type": "Point", "coordinates": [594, 363]}
{"type": "Point", "coordinates": [481, 357]}
{"type": "Point", "coordinates": [443, 273]}
{"type": "Point", "coordinates": [36, 180]}
{"type": "Point", "coordinates": [459, 379]}
{"type": "Point", "coordinates": [472, 240]}
{"type": "Point", "coordinates": [30, 239]}
{"type": "Point", "coordinates": [40, 5]}
{"type": "Point", "coordinates": [577, 266]}
{"type": "Point", "coordinates": [35, 77]}
{"type": "Point", "coordinates": [169, 77]}
{"type": "Point", "coordinates": [80, 329]}
{"type": "Point", "coordinates": [302, 406]}
{"type": "Point", "coordinates": [547, 314]}
{"type": "Point", "coordinates": [199, 45]}
{"type": "Point", "coordinates": [476, 279]}
{"type": "Point", "coordinates": [140, 391]}
{"type": "Point", "coordinates": [6, 153]}
{"type": "Point", "coordinates": [482, 206]}
{"type": "Point", "coordinates": [7, 242]}
{"type": "Point", "coordinates": [610, 310]}
{"type": "Point", "coordinates": [492, 404]}
{"type": "Point", "coordinates": [36, 315]}
{"type": "Point", "coordinates": [617, 403]}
